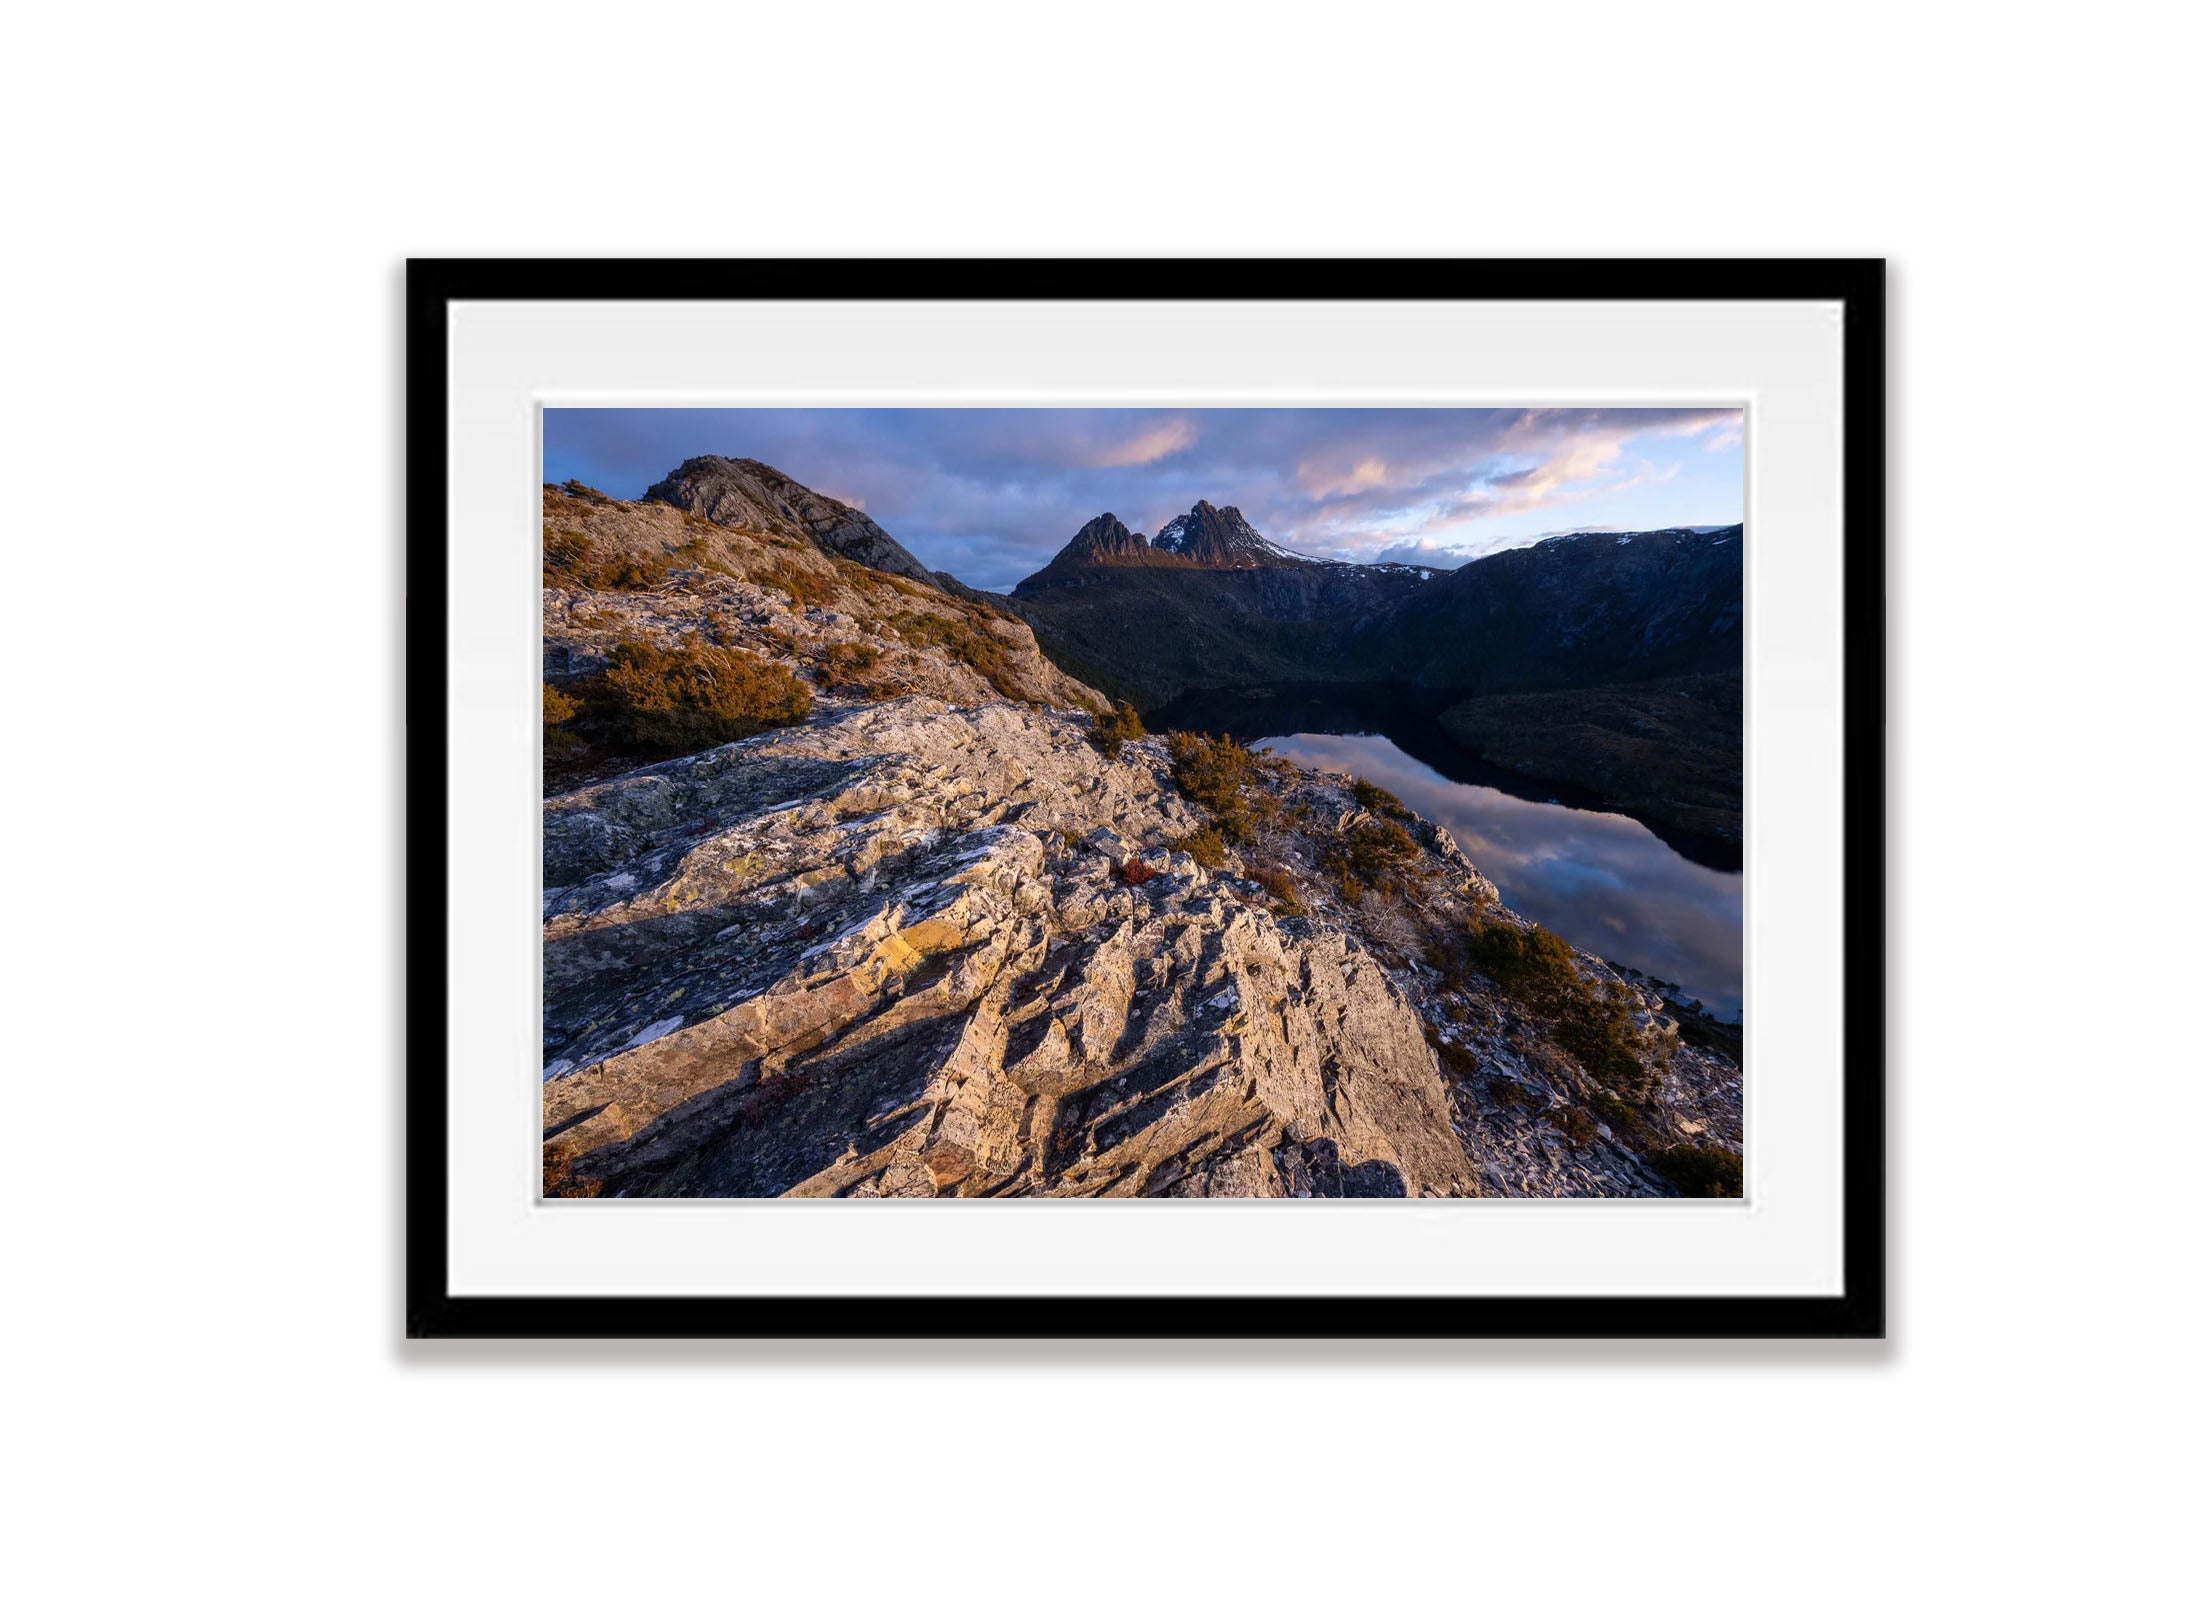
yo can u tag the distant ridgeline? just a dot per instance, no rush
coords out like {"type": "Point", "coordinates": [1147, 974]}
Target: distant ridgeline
{"type": "Point", "coordinates": [1209, 603]}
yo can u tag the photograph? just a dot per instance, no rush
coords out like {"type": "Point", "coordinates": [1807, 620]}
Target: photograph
{"type": "Point", "coordinates": [1177, 803]}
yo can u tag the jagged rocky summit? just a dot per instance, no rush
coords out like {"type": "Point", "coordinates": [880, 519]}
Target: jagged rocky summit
{"type": "Point", "coordinates": [927, 940]}
{"type": "Point", "coordinates": [1203, 538]}
{"type": "Point", "coordinates": [748, 495]}
{"type": "Point", "coordinates": [1223, 538]}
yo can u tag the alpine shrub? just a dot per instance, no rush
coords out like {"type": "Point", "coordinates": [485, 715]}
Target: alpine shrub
{"type": "Point", "coordinates": [1114, 727]}
{"type": "Point", "coordinates": [691, 696]}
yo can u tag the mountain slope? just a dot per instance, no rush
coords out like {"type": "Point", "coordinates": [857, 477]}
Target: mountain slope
{"type": "Point", "coordinates": [1149, 634]}
{"type": "Point", "coordinates": [645, 576]}
{"type": "Point", "coordinates": [1574, 612]}
{"type": "Point", "coordinates": [1671, 746]}
{"type": "Point", "coordinates": [744, 494]}
{"type": "Point", "coordinates": [1209, 610]}
{"type": "Point", "coordinates": [1207, 603]}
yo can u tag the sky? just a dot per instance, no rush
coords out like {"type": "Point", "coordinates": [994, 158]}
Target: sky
{"type": "Point", "coordinates": [991, 495]}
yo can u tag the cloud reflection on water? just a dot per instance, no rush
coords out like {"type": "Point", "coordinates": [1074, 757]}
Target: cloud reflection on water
{"type": "Point", "coordinates": [1600, 881]}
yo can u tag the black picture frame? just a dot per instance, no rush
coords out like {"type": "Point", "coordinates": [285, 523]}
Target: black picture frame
{"type": "Point", "coordinates": [432, 1311]}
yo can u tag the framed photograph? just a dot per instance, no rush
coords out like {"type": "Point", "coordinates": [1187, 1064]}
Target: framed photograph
{"type": "Point", "coordinates": [1146, 798]}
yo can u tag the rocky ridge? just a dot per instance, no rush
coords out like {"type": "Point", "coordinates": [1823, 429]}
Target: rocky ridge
{"type": "Point", "coordinates": [897, 953]}
{"type": "Point", "coordinates": [752, 497]}
{"type": "Point", "coordinates": [620, 570]}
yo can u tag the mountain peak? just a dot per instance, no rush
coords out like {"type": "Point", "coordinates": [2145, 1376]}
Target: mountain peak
{"type": "Point", "coordinates": [1104, 538]}
{"type": "Point", "coordinates": [737, 492]}
{"type": "Point", "coordinates": [1205, 536]}
{"type": "Point", "coordinates": [1222, 537]}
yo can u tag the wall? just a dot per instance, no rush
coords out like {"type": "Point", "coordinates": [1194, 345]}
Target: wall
{"type": "Point", "coordinates": [209, 209]}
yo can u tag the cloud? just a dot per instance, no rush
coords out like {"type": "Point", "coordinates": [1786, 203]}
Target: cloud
{"type": "Point", "coordinates": [1148, 445]}
{"type": "Point", "coordinates": [1424, 553]}
{"type": "Point", "coordinates": [1322, 480]}
{"type": "Point", "coordinates": [991, 494]}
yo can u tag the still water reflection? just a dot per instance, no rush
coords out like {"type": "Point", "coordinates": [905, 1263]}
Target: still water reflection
{"type": "Point", "coordinates": [1600, 881]}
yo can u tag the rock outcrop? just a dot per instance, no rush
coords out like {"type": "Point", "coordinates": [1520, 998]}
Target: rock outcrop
{"type": "Point", "coordinates": [749, 496]}
{"type": "Point", "coordinates": [896, 953]}
{"type": "Point", "coordinates": [1105, 542]}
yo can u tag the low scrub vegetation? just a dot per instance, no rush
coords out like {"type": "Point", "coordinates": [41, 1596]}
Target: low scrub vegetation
{"type": "Point", "coordinates": [1114, 727]}
{"type": "Point", "coordinates": [845, 664]}
{"type": "Point", "coordinates": [1217, 773]}
{"type": "Point", "coordinates": [1282, 888]}
{"type": "Point", "coordinates": [1531, 963]}
{"type": "Point", "coordinates": [1134, 872]}
{"type": "Point", "coordinates": [969, 642]}
{"type": "Point", "coordinates": [1502, 1090]}
{"type": "Point", "coordinates": [689, 696]}
{"type": "Point", "coordinates": [1378, 855]}
{"type": "Point", "coordinates": [1381, 801]}
{"type": "Point", "coordinates": [1536, 967]}
{"type": "Point", "coordinates": [1575, 1124]}
{"type": "Point", "coordinates": [558, 1182]}
{"type": "Point", "coordinates": [695, 551]}
{"type": "Point", "coordinates": [1702, 1172]}
{"type": "Point", "coordinates": [1389, 924]}
{"type": "Point", "coordinates": [569, 561]}
{"type": "Point", "coordinates": [562, 548]}
{"type": "Point", "coordinates": [1617, 1113]}
{"type": "Point", "coordinates": [1203, 845]}
{"type": "Point", "coordinates": [1451, 1055]}
{"type": "Point", "coordinates": [872, 581]}
{"type": "Point", "coordinates": [798, 581]}
{"type": "Point", "coordinates": [628, 572]}
{"type": "Point", "coordinates": [558, 708]}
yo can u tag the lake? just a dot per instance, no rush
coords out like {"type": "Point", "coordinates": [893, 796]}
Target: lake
{"type": "Point", "coordinates": [1601, 881]}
